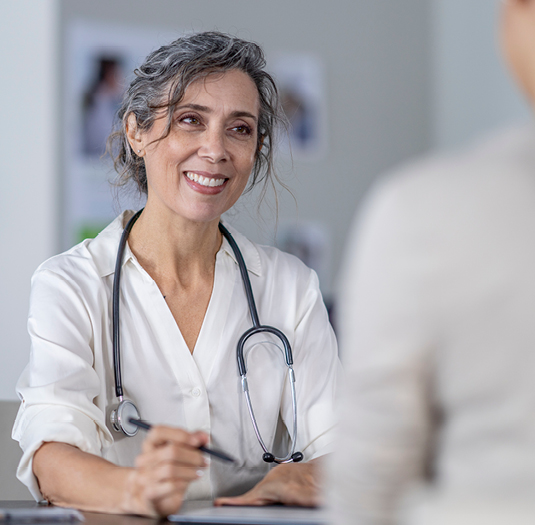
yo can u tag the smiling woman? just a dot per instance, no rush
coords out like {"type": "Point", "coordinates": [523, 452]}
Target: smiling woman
{"type": "Point", "coordinates": [196, 127]}
{"type": "Point", "coordinates": [198, 168]}
{"type": "Point", "coordinates": [161, 83]}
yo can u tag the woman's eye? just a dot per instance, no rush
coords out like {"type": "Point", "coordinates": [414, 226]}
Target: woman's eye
{"type": "Point", "coordinates": [242, 129]}
{"type": "Point", "coordinates": [189, 119]}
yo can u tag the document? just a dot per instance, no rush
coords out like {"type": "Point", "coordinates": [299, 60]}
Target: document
{"type": "Point", "coordinates": [268, 515]}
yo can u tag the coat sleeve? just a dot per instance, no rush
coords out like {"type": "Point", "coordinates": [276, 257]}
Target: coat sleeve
{"type": "Point", "coordinates": [58, 387]}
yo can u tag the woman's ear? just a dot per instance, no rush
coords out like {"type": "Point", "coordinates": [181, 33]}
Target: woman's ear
{"type": "Point", "coordinates": [133, 135]}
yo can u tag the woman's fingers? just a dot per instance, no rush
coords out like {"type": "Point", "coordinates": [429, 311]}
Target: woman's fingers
{"type": "Point", "coordinates": [154, 497]}
{"type": "Point", "coordinates": [170, 471]}
{"type": "Point", "coordinates": [171, 453]}
{"type": "Point", "coordinates": [169, 462]}
{"type": "Point", "coordinates": [289, 484]}
{"type": "Point", "coordinates": [161, 435]}
{"type": "Point", "coordinates": [172, 445]}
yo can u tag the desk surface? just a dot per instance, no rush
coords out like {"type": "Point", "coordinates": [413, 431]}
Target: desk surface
{"type": "Point", "coordinates": [91, 518]}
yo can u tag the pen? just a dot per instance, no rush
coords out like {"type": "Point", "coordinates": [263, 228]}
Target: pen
{"type": "Point", "coordinates": [216, 453]}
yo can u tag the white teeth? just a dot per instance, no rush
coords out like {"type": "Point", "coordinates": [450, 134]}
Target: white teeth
{"type": "Point", "coordinates": [204, 181]}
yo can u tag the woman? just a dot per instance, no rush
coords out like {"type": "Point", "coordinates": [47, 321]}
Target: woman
{"type": "Point", "coordinates": [197, 126]}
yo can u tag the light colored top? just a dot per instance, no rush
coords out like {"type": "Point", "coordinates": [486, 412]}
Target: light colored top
{"type": "Point", "coordinates": [437, 336]}
{"type": "Point", "coordinates": [68, 386]}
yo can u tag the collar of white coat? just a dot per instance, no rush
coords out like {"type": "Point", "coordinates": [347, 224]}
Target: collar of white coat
{"type": "Point", "coordinates": [104, 247]}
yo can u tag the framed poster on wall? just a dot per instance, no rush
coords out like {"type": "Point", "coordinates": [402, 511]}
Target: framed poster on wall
{"type": "Point", "coordinates": [98, 66]}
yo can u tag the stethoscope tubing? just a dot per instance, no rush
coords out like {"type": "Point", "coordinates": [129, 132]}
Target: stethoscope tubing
{"type": "Point", "coordinates": [244, 275]}
{"type": "Point", "coordinates": [115, 307]}
{"type": "Point", "coordinates": [255, 329]}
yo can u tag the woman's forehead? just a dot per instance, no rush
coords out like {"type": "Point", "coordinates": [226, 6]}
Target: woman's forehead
{"type": "Point", "coordinates": [233, 86]}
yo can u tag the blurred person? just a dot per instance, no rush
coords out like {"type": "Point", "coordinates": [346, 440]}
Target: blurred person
{"type": "Point", "coordinates": [100, 105]}
{"type": "Point", "coordinates": [437, 333]}
{"type": "Point", "coordinates": [197, 127]}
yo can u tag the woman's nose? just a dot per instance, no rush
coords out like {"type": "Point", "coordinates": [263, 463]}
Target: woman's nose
{"type": "Point", "coordinates": [213, 146]}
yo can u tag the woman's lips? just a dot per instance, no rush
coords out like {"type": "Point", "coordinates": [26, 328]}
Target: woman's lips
{"type": "Point", "coordinates": [204, 183]}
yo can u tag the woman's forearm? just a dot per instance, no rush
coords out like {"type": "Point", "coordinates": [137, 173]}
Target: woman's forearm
{"type": "Point", "coordinates": [170, 460]}
{"type": "Point", "coordinates": [69, 477]}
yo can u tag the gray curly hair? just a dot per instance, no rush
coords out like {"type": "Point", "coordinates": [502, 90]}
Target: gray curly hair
{"type": "Point", "coordinates": [161, 81]}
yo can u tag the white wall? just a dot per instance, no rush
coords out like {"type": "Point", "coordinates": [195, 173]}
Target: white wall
{"type": "Point", "coordinates": [472, 89]}
{"type": "Point", "coordinates": [28, 149]}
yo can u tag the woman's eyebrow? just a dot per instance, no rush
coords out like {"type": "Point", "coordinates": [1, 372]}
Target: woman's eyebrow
{"type": "Point", "coordinates": [243, 114]}
{"type": "Point", "coordinates": [206, 109]}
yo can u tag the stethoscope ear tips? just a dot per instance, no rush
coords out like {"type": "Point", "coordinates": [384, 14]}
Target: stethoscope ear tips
{"type": "Point", "coordinates": [268, 458]}
{"type": "Point", "coordinates": [297, 457]}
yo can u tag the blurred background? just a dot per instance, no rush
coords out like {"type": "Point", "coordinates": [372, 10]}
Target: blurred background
{"type": "Point", "coordinates": [367, 85]}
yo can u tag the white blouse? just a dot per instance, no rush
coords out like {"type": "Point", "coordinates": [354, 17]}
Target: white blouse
{"type": "Point", "coordinates": [68, 386]}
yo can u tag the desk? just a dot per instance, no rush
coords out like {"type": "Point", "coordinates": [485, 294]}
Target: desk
{"type": "Point", "coordinates": [92, 518]}
{"type": "Point", "coordinates": [290, 516]}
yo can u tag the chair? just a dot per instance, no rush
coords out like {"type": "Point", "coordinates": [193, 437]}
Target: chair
{"type": "Point", "coordinates": [10, 453]}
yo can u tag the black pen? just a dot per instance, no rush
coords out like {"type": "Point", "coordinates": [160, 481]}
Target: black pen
{"type": "Point", "coordinates": [216, 453]}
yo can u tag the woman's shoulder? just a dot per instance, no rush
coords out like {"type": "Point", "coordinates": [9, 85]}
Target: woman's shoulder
{"type": "Point", "coordinates": [89, 259]}
{"type": "Point", "coordinates": [268, 261]}
{"type": "Point", "coordinates": [281, 260]}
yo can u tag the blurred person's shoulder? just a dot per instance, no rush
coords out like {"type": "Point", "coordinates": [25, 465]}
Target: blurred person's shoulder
{"type": "Point", "coordinates": [499, 164]}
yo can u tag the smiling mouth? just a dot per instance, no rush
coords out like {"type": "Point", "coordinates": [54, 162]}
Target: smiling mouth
{"type": "Point", "coordinates": [204, 181]}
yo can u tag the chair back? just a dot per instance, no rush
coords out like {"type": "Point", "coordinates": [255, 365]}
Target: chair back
{"type": "Point", "coordinates": [10, 453]}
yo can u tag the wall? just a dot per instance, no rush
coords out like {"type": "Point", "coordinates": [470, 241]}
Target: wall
{"type": "Point", "coordinates": [472, 89]}
{"type": "Point", "coordinates": [28, 149]}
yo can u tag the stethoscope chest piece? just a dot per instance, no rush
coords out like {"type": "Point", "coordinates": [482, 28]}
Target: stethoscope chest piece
{"type": "Point", "coordinates": [121, 415]}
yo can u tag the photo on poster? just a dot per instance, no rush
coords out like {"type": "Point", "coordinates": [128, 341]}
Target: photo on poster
{"type": "Point", "coordinates": [300, 78]}
{"type": "Point", "coordinates": [100, 101]}
{"type": "Point", "coordinates": [99, 64]}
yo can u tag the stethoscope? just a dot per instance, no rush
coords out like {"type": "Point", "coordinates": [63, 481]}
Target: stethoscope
{"type": "Point", "coordinates": [121, 413]}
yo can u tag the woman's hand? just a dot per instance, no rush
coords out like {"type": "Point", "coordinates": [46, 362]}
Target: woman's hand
{"type": "Point", "coordinates": [295, 484]}
{"type": "Point", "coordinates": [169, 462]}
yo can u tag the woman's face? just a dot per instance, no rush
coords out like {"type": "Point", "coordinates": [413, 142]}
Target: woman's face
{"type": "Point", "coordinates": [202, 167]}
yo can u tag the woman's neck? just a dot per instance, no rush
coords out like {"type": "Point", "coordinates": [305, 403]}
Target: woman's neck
{"type": "Point", "coordinates": [171, 247]}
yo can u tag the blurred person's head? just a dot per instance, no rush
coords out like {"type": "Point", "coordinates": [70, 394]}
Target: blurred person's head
{"type": "Point", "coordinates": [161, 82]}
{"type": "Point", "coordinates": [518, 41]}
